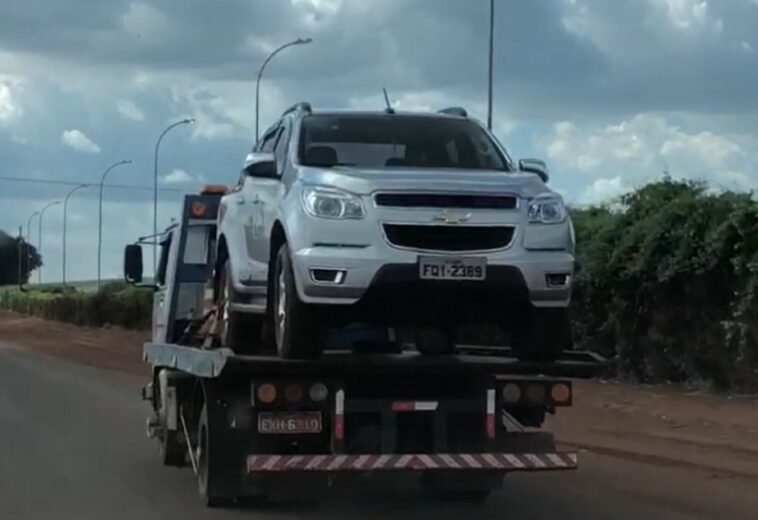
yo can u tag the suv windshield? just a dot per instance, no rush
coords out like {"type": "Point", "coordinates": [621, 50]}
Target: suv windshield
{"type": "Point", "coordinates": [387, 141]}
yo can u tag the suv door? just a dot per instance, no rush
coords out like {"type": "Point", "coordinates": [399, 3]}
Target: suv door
{"type": "Point", "coordinates": [270, 192]}
{"type": "Point", "coordinates": [257, 194]}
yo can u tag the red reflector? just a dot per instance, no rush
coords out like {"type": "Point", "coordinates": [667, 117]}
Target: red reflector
{"type": "Point", "coordinates": [403, 406]}
{"type": "Point", "coordinates": [339, 427]}
{"type": "Point", "coordinates": [490, 426]}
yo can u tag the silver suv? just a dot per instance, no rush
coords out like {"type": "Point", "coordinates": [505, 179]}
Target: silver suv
{"type": "Point", "coordinates": [417, 222]}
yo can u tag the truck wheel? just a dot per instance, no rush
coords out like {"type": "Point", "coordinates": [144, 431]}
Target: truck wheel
{"type": "Point", "coordinates": [432, 341]}
{"type": "Point", "coordinates": [170, 451]}
{"type": "Point", "coordinates": [240, 332]}
{"type": "Point", "coordinates": [298, 329]}
{"type": "Point", "coordinates": [541, 335]}
{"type": "Point", "coordinates": [207, 468]}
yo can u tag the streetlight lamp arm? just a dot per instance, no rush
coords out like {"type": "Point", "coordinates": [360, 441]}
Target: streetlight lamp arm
{"type": "Point", "coordinates": [299, 41]}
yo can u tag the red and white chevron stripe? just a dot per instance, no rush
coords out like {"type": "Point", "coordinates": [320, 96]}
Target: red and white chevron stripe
{"type": "Point", "coordinates": [419, 462]}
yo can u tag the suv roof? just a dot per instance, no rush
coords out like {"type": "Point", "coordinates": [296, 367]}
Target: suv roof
{"type": "Point", "coordinates": [306, 109]}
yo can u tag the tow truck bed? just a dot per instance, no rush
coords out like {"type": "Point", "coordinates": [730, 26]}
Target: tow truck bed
{"type": "Point", "coordinates": [211, 363]}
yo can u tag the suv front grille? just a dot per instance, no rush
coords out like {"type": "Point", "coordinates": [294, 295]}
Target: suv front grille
{"type": "Point", "coordinates": [436, 200]}
{"type": "Point", "coordinates": [449, 238]}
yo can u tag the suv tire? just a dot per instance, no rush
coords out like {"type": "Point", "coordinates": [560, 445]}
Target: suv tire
{"type": "Point", "coordinates": [541, 335]}
{"type": "Point", "coordinates": [298, 327]}
{"type": "Point", "coordinates": [434, 341]}
{"type": "Point", "coordinates": [240, 331]}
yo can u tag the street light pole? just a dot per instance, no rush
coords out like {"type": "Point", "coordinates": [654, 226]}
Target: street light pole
{"type": "Point", "coordinates": [100, 218]}
{"type": "Point", "coordinates": [29, 241]}
{"type": "Point", "coordinates": [155, 185]}
{"type": "Point", "coordinates": [65, 221]}
{"type": "Point", "coordinates": [492, 51]}
{"type": "Point", "coordinates": [299, 41]}
{"type": "Point", "coordinates": [39, 239]}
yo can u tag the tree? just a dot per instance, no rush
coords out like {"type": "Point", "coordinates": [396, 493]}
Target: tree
{"type": "Point", "coordinates": [9, 251]}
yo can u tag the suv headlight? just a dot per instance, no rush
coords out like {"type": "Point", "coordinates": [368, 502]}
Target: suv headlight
{"type": "Point", "coordinates": [548, 210]}
{"type": "Point", "coordinates": [324, 202]}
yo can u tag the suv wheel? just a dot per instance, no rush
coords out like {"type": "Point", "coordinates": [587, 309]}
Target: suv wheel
{"type": "Point", "coordinates": [298, 329]}
{"type": "Point", "coordinates": [541, 335]}
{"type": "Point", "coordinates": [432, 341]}
{"type": "Point", "coordinates": [241, 332]}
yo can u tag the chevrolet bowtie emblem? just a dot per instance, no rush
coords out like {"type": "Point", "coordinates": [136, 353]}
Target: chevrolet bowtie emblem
{"type": "Point", "coordinates": [452, 217]}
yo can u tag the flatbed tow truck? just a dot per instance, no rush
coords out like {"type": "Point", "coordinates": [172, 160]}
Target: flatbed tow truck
{"type": "Point", "coordinates": [253, 426]}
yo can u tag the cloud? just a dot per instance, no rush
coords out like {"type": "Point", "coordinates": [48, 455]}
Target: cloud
{"type": "Point", "coordinates": [640, 149]}
{"type": "Point", "coordinates": [9, 107]}
{"type": "Point", "coordinates": [130, 110]}
{"type": "Point", "coordinates": [689, 15]}
{"type": "Point", "coordinates": [77, 140]}
{"type": "Point", "coordinates": [604, 189]}
{"type": "Point", "coordinates": [178, 176]}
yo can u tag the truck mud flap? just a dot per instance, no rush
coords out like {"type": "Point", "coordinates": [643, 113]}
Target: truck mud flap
{"type": "Point", "coordinates": [505, 462]}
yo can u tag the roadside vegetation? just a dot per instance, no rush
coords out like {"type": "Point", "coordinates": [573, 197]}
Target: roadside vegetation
{"type": "Point", "coordinates": [669, 284]}
{"type": "Point", "coordinates": [116, 303]}
{"type": "Point", "coordinates": [668, 288]}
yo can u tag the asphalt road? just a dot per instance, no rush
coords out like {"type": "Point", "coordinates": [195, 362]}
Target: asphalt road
{"type": "Point", "coordinates": [72, 445]}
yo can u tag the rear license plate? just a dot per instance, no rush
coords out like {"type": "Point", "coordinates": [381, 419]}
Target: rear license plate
{"type": "Point", "coordinates": [303, 422]}
{"type": "Point", "coordinates": [445, 268]}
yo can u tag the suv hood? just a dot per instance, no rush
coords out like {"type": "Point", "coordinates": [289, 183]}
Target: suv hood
{"type": "Point", "coordinates": [365, 181]}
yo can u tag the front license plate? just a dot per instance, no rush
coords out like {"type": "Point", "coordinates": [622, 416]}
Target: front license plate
{"type": "Point", "coordinates": [304, 422]}
{"type": "Point", "coordinates": [445, 268]}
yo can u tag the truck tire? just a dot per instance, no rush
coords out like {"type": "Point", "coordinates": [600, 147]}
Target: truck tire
{"type": "Point", "coordinates": [207, 465]}
{"type": "Point", "coordinates": [541, 335]}
{"type": "Point", "coordinates": [240, 332]}
{"type": "Point", "coordinates": [298, 329]}
{"type": "Point", "coordinates": [432, 341]}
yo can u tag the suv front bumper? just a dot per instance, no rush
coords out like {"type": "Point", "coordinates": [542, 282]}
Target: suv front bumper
{"type": "Point", "coordinates": [516, 275]}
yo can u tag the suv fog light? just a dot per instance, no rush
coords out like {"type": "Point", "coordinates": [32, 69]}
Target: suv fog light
{"type": "Point", "coordinates": [557, 279]}
{"type": "Point", "coordinates": [333, 276]}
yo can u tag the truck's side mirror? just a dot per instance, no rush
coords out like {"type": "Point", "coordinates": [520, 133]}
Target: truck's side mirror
{"type": "Point", "coordinates": [535, 166]}
{"type": "Point", "coordinates": [133, 263]}
{"type": "Point", "coordinates": [261, 165]}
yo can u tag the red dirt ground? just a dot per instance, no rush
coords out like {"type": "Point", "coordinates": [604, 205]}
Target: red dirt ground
{"type": "Point", "coordinates": [658, 425]}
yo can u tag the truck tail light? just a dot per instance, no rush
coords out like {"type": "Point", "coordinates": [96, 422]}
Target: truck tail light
{"type": "Point", "coordinates": [560, 393]}
{"type": "Point", "coordinates": [318, 392]}
{"type": "Point", "coordinates": [293, 393]}
{"type": "Point", "coordinates": [511, 393]}
{"type": "Point", "coordinates": [267, 393]}
{"type": "Point", "coordinates": [490, 421]}
{"type": "Point", "coordinates": [339, 416]}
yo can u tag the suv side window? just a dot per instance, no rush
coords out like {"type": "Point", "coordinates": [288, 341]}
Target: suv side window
{"type": "Point", "coordinates": [282, 145]}
{"type": "Point", "coordinates": [269, 139]}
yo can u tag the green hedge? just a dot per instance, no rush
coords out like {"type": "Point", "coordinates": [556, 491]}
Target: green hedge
{"type": "Point", "coordinates": [116, 303]}
{"type": "Point", "coordinates": [669, 284]}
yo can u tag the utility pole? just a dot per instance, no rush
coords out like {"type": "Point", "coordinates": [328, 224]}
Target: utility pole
{"type": "Point", "coordinates": [155, 187]}
{"type": "Point", "coordinates": [39, 238]}
{"type": "Point", "coordinates": [299, 41]}
{"type": "Point", "coordinates": [492, 51]}
{"type": "Point", "coordinates": [20, 255]}
{"type": "Point", "coordinates": [100, 218]}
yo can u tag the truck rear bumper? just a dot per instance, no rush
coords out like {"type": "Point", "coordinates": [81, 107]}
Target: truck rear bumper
{"type": "Point", "coordinates": [503, 462]}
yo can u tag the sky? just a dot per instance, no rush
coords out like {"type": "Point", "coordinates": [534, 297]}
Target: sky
{"type": "Point", "coordinates": [610, 93]}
